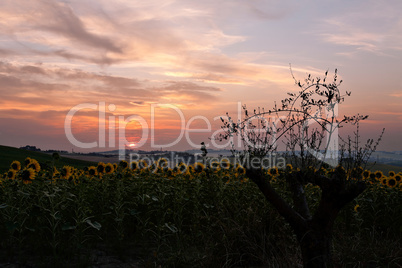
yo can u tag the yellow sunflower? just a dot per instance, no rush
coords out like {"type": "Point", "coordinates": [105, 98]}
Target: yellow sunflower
{"type": "Point", "coordinates": [11, 174]}
{"type": "Point", "coordinates": [182, 168]}
{"type": "Point", "coordinates": [123, 164]}
{"type": "Point", "coordinates": [109, 168]}
{"type": "Point", "coordinates": [66, 172]}
{"type": "Point", "coordinates": [273, 171]}
{"type": "Point", "coordinates": [28, 175]}
{"type": "Point", "coordinates": [142, 164]}
{"type": "Point", "coordinates": [240, 170]}
{"type": "Point", "coordinates": [398, 177]}
{"type": "Point", "coordinates": [16, 165]}
{"type": "Point", "coordinates": [391, 182]}
{"type": "Point", "coordinates": [169, 173]}
{"type": "Point", "coordinates": [366, 174]}
{"type": "Point", "coordinates": [378, 175]}
{"type": "Point", "coordinates": [101, 167]}
{"type": "Point", "coordinates": [92, 171]}
{"type": "Point", "coordinates": [27, 161]}
{"type": "Point", "coordinates": [357, 172]}
{"type": "Point", "coordinates": [199, 167]}
{"type": "Point", "coordinates": [225, 163]}
{"type": "Point", "coordinates": [162, 163]}
{"type": "Point", "coordinates": [165, 168]}
{"type": "Point", "coordinates": [134, 165]}
{"type": "Point", "coordinates": [391, 174]}
{"type": "Point", "coordinates": [289, 167]}
{"type": "Point", "coordinates": [34, 165]}
{"type": "Point", "coordinates": [214, 165]}
{"type": "Point", "coordinates": [356, 207]}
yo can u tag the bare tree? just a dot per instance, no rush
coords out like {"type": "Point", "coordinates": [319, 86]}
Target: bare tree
{"type": "Point", "coordinates": [306, 124]}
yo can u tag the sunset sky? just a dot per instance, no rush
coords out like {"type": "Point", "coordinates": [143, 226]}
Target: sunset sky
{"type": "Point", "coordinates": [201, 57]}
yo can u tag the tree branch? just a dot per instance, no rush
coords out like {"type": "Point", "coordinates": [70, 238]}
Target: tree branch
{"type": "Point", "coordinates": [284, 209]}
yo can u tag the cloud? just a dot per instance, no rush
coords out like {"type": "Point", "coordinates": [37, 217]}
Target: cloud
{"type": "Point", "coordinates": [57, 18]}
{"type": "Point", "coordinates": [205, 77]}
{"type": "Point", "coordinates": [271, 10]}
{"type": "Point", "coordinates": [361, 41]}
{"type": "Point", "coordinates": [398, 95]}
{"type": "Point", "coordinates": [172, 39]}
{"type": "Point", "coordinates": [6, 52]}
{"type": "Point", "coordinates": [187, 86]}
{"type": "Point", "coordinates": [97, 59]}
{"type": "Point", "coordinates": [137, 103]}
{"type": "Point", "coordinates": [371, 26]}
{"type": "Point", "coordinates": [33, 88]}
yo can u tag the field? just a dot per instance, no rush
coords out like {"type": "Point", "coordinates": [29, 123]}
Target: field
{"type": "Point", "coordinates": [149, 215]}
{"type": "Point", "coordinates": [8, 154]}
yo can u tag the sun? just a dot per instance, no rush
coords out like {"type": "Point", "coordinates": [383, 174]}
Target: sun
{"type": "Point", "coordinates": [131, 145]}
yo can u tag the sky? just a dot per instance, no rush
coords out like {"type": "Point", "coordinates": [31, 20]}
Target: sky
{"type": "Point", "coordinates": [93, 75]}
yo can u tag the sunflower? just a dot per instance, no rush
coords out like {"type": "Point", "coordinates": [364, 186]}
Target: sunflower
{"type": "Point", "coordinates": [123, 164]}
{"type": "Point", "coordinates": [357, 172]}
{"type": "Point", "coordinates": [391, 174]}
{"type": "Point", "coordinates": [109, 168]}
{"type": "Point", "coordinates": [356, 207]}
{"type": "Point", "coordinates": [55, 171]}
{"type": "Point", "coordinates": [134, 165]}
{"type": "Point", "coordinates": [28, 175]}
{"type": "Point", "coordinates": [182, 167]}
{"type": "Point", "coordinates": [383, 180]}
{"type": "Point", "coordinates": [391, 182]}
{"type": "Point", "coordinates": [92, 171]}
{"type": "Point", "coordinates": [378, 174]}
{"type": "Point", "coordinates": [66, 172]}
{"type": "Point", "coordinates": [240, 170]}
{"type": "Point", "coordinates": [198, 167]}
{"type": "Point", "coordinates": [273, 171]}
{"type": "Point", "coordinates": [165, 168]}
{"type": "Point", "coordinates": [34, 165]}
{"type": "Point", "coordinates": [366, 174]}
{"type": "Point", "coordinates": [176, 170]}
{"type": "Point", "coordinates": [225, 163]}
{"type": "Point", "coordinates": [11, 174]}
{"type": "Point", "coordinates": [27, 161]}
{"type": "Point", "coordinates": [162, 163]}
{"type": "Point", "coordinates": [101, 167]}
{"type": "Point", "coordinates": [142, 164]}
{"type": "Point", "coordinates": [15, 165]}
{"type": "Point", "coordinates": [214, 165]}
{"type": "Point", "coordinates": [398, 177]}
{"type": "Point", "coordinates": [169, 172]}
{"type": "Point", "coordinates": [289, 167]}
{"type": "Point", "coordinates": [154, 168]}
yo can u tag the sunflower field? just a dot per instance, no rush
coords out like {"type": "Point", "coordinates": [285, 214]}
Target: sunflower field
{"type": "Point", "coordinates": [198, 215]}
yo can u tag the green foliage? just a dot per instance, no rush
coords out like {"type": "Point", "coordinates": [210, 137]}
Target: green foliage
{"type": "Point", "coordinates": [212, 218]}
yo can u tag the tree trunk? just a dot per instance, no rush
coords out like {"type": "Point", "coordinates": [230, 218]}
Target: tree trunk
{"type": "Point", "coordinates": [314, 233]}
{"type": "Point", "coordinates": [315, 248]}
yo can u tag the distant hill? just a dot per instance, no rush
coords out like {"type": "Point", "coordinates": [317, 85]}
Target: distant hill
{"type": "Point", "coordinates": [9, 154]}
{"type": "Point", "coordinates": [385, 168]}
